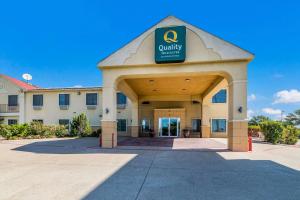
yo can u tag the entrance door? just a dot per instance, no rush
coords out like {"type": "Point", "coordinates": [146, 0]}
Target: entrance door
{"type": "Point", "coordinates": [169, 127]}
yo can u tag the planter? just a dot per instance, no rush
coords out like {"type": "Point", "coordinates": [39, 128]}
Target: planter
{"type": "Point", "coordinates": [186, 133]}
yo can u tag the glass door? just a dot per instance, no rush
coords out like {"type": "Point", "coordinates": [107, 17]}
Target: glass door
{"type": "Point", "coordinates": [169, 127]}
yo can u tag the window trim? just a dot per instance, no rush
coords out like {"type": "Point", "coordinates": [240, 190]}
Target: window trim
{"type": "Point", "coordinates": [196, 118]}
{"type": "Point", "coordinates": [218, 118]}
{"type": "Point", "coordinates": [125, 125]}
{"type": "Point", "coordinates": [8, 104]}
{"type": "Point", "coordinates": [69, 123]}
{"type": "Point", "coordinates": [226, 100]}
{"type": "Point", "coordinates": [97, 100]}
{"type": "Point", "coordinates": [121, 105]}
{"type": "Point", "coordinates": [64, 94]}
{"type": "Point", "coordinates": [12, 120]}
{"type": "Point", "coordinates": [42, 100]}
{"type": "Point", "coordinates": [38, 120]}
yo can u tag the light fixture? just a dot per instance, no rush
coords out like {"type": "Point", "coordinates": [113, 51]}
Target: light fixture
{"type": "Point", "coordinates": [187, 80]}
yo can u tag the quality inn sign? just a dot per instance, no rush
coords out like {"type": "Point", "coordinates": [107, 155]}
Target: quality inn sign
{"type": "Point", "coordinates": [170, 44]}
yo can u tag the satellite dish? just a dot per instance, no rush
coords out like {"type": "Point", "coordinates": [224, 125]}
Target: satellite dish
{"type": "Point", "coordinates": [27, 77]}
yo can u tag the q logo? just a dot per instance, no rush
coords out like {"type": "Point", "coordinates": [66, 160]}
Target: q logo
{"type": "Point", "coordinates": [170, 36]}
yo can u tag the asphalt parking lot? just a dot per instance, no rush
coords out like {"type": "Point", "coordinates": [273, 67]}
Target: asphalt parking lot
{"type": "Point", "coordinates": [78, 169]}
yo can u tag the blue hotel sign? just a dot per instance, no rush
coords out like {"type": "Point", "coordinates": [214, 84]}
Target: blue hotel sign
{"type": "Point", "coordinates": [170, 44]}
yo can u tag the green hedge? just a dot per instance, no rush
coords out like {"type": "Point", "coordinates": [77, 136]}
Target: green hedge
{"type": "Point", "coordinates": [32, 130]}
{"type": "Point", "coordinates": [275, 132]}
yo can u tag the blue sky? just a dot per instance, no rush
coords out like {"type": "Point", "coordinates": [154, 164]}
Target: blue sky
{"type": "Point", "coordinates": [60, 42]}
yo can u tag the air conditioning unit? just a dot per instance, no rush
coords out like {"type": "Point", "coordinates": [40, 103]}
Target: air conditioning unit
{"type": "Point", "coordinates": [64, 107]}
{"type": "Point", "coordinates": [37, 107]}
{"type": "Point", "coordinates": [91, 107]}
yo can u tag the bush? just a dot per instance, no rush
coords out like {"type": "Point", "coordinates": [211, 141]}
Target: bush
{"type": "Point", "coordinates": [96, 133]}
{"type": "Point", "coordinates": [272, 131]}
{"type": "Point", "coordinates": [290, 135]}
{"type": "Point", "coordinates": [33, 130]}
{"type": "Point", "coordinates": [80, 126]}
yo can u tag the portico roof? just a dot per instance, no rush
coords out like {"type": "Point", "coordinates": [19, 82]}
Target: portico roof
{"type": "Point", "coordinates": [202, 47]}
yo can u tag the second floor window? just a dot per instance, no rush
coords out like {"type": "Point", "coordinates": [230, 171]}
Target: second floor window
{"type": "Point", "coordinates": [91, 99]}
{"type": "Point", "coordinates": [37, 100]}
{"type": "Point", "coordinates": [220, 97]}
{"type": "Point", "coordinates": [64, 99]}
{"type": "Point", "coordinates": [12, 100]}
{"type": "Point", "coordinates": [121, 99]}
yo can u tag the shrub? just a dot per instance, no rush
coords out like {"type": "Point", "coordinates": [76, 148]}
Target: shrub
{"type": "Point", "coordinates": [5, 131]}
{"type": "Point", "coordinates": [290, 135]}
{"type": "Point", "coordinates": [96, 133]}
{"type": "Point", "coordinates": [80, 126]}
{"type": "Point", "coordinates": [33, 130]}
{"type": "Point", "coordinates": [61, 131]}
{"type": "Point", "coordinates": [272, 131]}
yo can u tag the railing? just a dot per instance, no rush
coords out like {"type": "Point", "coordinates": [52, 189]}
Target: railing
{"type": "Point", "coordinates": [5, 108]}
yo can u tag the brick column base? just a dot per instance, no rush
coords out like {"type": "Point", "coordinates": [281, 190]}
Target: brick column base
{"type": "Point", "coordinates": [134, 131]}
{"type": "Point", "coordinates": [109, 134]}
{"type": "Point", "coordinates": [238, 136]}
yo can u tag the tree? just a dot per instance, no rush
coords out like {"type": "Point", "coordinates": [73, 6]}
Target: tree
{"type": "Point", "coordinates": [293, 118]}
{"type": "Point", "coordinates": [256, 120]}
{"type": "Point", "coordinates": [80, 126]}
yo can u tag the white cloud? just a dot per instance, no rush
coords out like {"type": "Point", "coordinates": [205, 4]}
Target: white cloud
{"type": "Point", "coordinates": [250, 113]}
{"type": "Point", "coordinates": [271, 111]}
{"type": "Point", "coordinates": [77, 86]}
{"type": "Point", "coordinates": [287, 96]}
{"type": "Point", "coordinates": [252, 97]}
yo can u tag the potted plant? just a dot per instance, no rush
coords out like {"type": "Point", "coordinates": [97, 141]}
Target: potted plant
{"type": "Point", "coordinates": [186, 133]}
{"type": "Point", "coordinates": [151, 133]}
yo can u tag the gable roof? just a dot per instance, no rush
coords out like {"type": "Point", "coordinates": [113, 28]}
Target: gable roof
{"type": "Point", "coordinates": [225, 49]}
{"type": "Point", "coordinates": [19, 83]}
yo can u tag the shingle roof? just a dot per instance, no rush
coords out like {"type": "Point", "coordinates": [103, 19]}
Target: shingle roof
{"type": "Point", "coordinates": [19, 83]}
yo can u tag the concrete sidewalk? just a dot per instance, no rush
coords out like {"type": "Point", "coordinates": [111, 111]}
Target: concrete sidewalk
{"type": "Point", "coordinates": [78, 169]}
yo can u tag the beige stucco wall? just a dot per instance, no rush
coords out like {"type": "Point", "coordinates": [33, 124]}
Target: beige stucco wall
{"type": "Point", "coordinates": [7, 88]}
{"type": "Point", "coordinates": [51, 112]}
{"type": "Point", "coordinates": [215, 110]}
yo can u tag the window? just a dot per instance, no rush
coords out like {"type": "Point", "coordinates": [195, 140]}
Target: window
{"type": "Point", "coordinates": [38, 120]}
{"type": "Point", "coordinates": [196, 125]}
{"type": "Point", "coordinates": [145, 125]}
{"type": "Point", "coordinates": [64, 99]}
{"type": "Point", "coordinates": [12, 100]}
{"type": "Point", "coordinates": [64, 122]}
{"type": "Point", "coordinates": [218, 125]}
{"type": "Point", "coordinates": [37, 100]}
{"type": "Point", "coordinates": [12, 121]}
{"type": "Point", "coordinates": [121, 99]}
{"type": "Point", "coordinates": [220, 97]}
{"type": "Point", "coordinates": [122, 125]}
{"type": "Point", "coordinates": [91, 99]}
